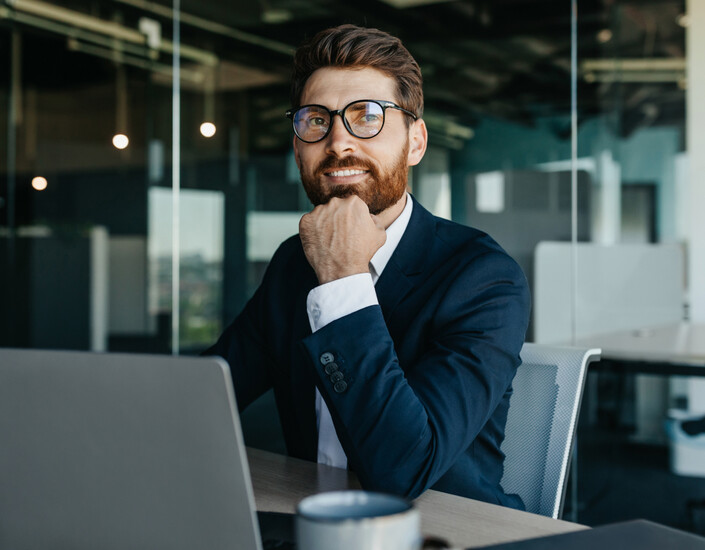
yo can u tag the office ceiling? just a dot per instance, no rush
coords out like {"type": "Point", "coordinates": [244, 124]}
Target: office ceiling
{"type": "Point", "coordinates": [504, 58]}
{"type": "Point", "coordinates": [508, 59]}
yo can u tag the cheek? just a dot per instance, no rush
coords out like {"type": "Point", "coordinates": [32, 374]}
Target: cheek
{"type": "Point", "coordinates": [376, 149]}
{"type": "Point", "coordinates": [308, 157]}
{"type": "Point", "coordinates": [384, 155]}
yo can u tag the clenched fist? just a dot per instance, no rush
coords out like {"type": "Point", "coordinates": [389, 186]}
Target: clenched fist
{"type": "Point", "coordinates": [340, 238]}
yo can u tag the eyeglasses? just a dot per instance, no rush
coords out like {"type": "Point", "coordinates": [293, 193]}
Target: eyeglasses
{"type": "Point", "coordinates": [364, 119]}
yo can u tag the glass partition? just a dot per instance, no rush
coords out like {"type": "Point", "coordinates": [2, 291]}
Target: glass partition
{"type": "Point", "coordinates": [633, 285]}
{"type": "Point", "coordinates": [80, 113]}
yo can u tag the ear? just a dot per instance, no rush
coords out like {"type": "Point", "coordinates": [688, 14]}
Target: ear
{"type": "Point", "coordinates": [296, 152]}
{"type": "Point", "coordinates": [418, 140]}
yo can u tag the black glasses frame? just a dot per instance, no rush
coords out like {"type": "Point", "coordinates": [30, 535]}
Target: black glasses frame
{"type": "Point", "coordinates": [384, 105]}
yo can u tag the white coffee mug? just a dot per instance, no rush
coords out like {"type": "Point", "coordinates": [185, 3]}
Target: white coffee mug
{"type": "Point", "coordinates": [357, 520]}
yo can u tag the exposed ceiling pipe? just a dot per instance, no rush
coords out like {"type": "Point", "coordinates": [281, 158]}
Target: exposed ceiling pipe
{"type": "Point", "coordinates": [639, 64]}
{"type": "Point", "coordinates": [634, 70]}
{"type": "Point", "coordinates": [50, 12]}
{"type": "Point", "coordinates": [211, 26]}
{"type": "Point", "coordinates": [187, 75]}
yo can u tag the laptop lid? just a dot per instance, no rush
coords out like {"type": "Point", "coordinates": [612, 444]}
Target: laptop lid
{"type": "Point", "coordinates": [117, 451]}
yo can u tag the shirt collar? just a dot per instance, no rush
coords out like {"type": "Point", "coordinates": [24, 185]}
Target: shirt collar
{"type": "Point", "coordinates": [394, 234]}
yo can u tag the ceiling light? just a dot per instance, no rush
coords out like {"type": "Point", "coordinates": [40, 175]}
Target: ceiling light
{"type": "Point", "coordinates": [683, 20]}
{"type": "Point", "coordinates": [275, 16]}
{"type": "Point", "coordinates": [208, 129]}
{"type": "Point", "coordinates": [207, 126]}
{"type": "Point", "coordinates": [39, 183]}
{"type": "Point", "coordinates": [604, 36]}
{"type": "Point", "coordinates": [650, 110]}
{"type": "Point", "coordinates": [120, 141]}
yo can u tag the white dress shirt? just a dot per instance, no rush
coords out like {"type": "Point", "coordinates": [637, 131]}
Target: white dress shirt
{"type": "Point", "coordinates": [341, 297]}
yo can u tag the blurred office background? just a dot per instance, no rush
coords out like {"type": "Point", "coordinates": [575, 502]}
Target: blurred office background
{"type": "Point", "coordinates": [596, 195]}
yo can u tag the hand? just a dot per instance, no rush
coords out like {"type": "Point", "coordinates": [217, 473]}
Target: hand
{"type": "Point", "coordinates": [340, 238]}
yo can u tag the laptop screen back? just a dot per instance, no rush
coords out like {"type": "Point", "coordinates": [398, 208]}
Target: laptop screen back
{"type": "Point", "coordinates": [121, 451]}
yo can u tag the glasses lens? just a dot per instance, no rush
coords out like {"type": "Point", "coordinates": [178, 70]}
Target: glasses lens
{"type": "Point", "coordinates": [365, 118]}
{"type": "Point", "coordinates": [311, 123]}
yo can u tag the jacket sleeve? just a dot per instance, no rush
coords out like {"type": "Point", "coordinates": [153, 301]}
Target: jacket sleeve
{"type": "Point", "coordinates": [403, 428]}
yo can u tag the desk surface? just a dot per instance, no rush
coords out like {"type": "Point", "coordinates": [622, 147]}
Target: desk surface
{"type": "Point", "coordinates": [680, 344]}
{"type": "Point", "coordinates": [281, 482]}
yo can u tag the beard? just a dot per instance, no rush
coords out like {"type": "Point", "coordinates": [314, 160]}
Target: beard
{"type": "Point", "coordinates": [382, 189]}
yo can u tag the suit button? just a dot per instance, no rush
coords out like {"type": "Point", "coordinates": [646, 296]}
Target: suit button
{"type": "Point", "coordinates": [330, 368]}
{"type": "Point", "coordinates": [340, 387]}
{"type": "Point", "coordinates": [337, 376]}
{"type": "Point", "coordinates": [326, 358]}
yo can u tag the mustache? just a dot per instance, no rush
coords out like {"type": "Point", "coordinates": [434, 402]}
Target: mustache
{"type": "Point", "coordinates": [334, 163]}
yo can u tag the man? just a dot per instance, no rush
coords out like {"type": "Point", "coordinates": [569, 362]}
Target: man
{"type": "Point", "coordinates": [390, 337]}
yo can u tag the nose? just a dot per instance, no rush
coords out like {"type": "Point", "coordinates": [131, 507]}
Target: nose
{"type": "Point", "coordinates": [339, 142]}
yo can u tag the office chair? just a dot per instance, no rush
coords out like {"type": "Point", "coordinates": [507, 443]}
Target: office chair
{"type": "Point", "coordinates": [541, 424]}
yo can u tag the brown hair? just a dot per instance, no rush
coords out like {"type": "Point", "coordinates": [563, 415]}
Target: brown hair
{"type": "Point", "coordinates": [349, 46]}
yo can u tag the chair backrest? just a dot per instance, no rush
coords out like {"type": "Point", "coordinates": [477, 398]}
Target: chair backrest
{"type": "Point", "coordinates": [541, 423]}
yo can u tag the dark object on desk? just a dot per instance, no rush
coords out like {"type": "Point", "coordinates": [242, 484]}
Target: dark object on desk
{"type": "Point", "coordinates": [638, 535]}
{"type": "Point", "coordinates": [694, 427]}
{"type": "Point", "coordinates": [434, 543]}
{"type": "Point", "coordinates": [277, 530]}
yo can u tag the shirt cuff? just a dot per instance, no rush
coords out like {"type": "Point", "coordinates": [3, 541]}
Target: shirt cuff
{"type": "Point", "coordinates": [339, 298]}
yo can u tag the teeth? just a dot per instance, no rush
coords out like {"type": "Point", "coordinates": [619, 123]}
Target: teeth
{"type": "Point", "coordinates": [339, 173]}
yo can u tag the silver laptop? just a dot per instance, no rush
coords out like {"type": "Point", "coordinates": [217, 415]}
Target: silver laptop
{"type": "Point", "coordinates": [121, 451]}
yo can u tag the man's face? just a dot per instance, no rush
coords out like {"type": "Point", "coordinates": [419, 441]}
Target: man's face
{"type": "Point", "coordinates": [340, 165]}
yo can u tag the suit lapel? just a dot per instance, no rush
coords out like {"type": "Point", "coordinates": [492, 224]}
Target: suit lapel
{"type": "Point", "coordinates": [391, 288]}
{"type": "Point", "coordinates": [407, 262]}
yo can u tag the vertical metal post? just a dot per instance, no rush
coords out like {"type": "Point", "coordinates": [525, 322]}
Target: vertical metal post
{"type": "Point", "coordinates": [574, 225]}
{"type": "Point", "coordinates": [12, 122]}
{"type": "Point", "coordinates": [176, 180]}
{"type": "Point", "coordinates": [574, 165]}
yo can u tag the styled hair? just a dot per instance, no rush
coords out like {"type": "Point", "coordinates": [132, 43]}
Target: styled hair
{"type": "Point", "coordinates": [348, 46]}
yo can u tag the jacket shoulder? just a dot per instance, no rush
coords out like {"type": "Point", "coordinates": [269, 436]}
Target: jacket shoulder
{"type": "Point", "coordinates": [467, 242]}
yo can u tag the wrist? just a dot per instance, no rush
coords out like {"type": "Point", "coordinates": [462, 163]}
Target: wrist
{"type": "Point", "coordinates": [330, 275]}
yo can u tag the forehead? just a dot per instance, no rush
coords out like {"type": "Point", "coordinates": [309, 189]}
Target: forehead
{"type": "Point", "coordinates": [336, 87]}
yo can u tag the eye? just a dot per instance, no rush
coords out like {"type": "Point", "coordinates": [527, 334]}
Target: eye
{"type": "Point", "coordinates": [370, 118]}
{"type": "Point", "coordinates": [315, 120]}
{"type": "Point", "coordinates": [364, 115]}
{"type": "Point", "coordinates": [311, 117]}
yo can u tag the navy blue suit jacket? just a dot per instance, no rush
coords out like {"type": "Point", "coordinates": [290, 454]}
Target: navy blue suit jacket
{"type": "Point", "coordinates": [427, 374]}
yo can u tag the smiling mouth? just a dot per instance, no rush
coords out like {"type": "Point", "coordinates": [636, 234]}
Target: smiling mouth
{"type": "Point", "coordinates": [343, 173]}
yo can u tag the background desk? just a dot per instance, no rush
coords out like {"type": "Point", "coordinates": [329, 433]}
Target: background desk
{"type": "Point", "coordinates": [281, 482]}
{"type": "Point", "coordinates": [675, 349]}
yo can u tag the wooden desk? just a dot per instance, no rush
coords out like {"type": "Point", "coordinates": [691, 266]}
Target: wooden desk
{"type": "Point", "coordinates": [281, 482]}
